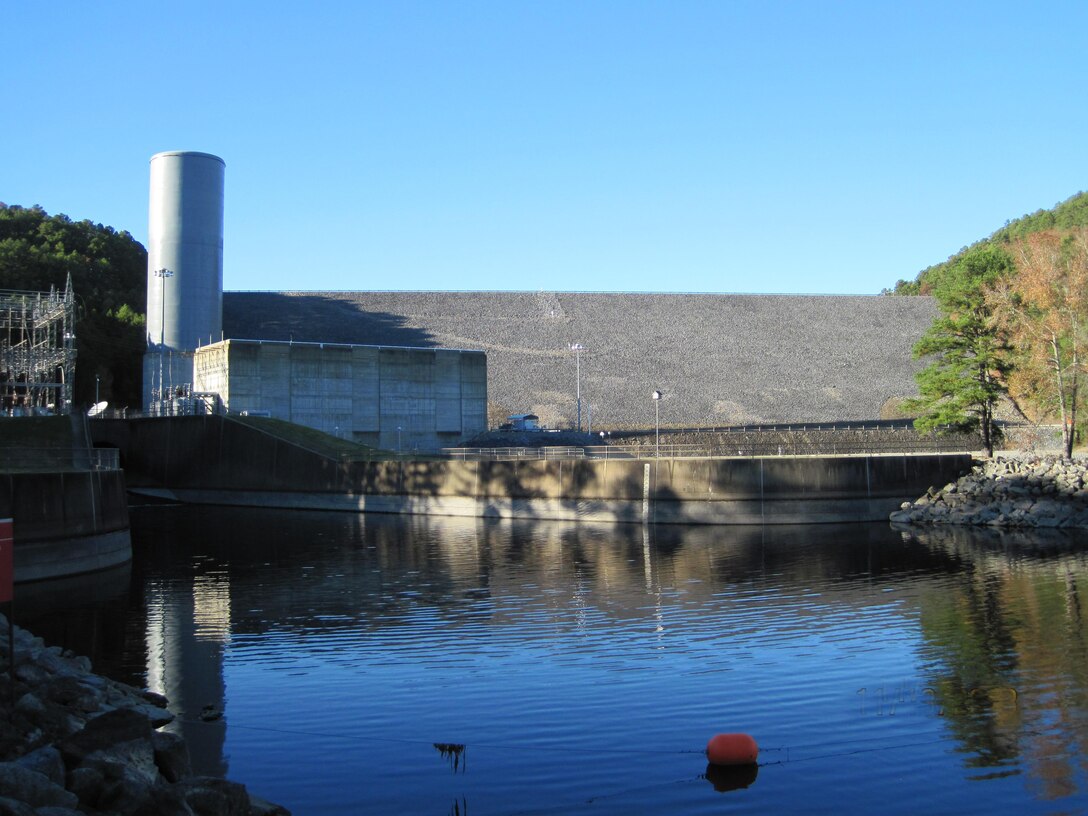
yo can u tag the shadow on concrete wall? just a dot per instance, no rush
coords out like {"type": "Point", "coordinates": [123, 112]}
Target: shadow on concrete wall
{"type": "Point", "coordinates": [315, 319]}
{"type": "Point", "coordinates": [207, 453]}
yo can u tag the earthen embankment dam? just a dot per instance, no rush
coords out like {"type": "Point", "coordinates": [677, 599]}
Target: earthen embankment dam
{"type": "Point", "coordinates": [718, 359]}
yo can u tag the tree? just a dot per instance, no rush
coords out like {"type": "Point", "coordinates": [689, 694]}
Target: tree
{"type": "Point", "coordinates": [966, 377]}
{"type": "Point", "coordinates": [1044, 311]}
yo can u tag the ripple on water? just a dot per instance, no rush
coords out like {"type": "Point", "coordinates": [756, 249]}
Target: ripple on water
{"type": "Point", "coordinates": [582, 668]}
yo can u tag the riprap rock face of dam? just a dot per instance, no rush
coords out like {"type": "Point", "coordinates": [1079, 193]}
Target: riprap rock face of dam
{"type": "Point", "coordinates": [718, 359]}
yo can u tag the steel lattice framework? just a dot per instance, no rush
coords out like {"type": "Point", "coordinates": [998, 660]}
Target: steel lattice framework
{"type": "Point", "coordinates": [37, 351]}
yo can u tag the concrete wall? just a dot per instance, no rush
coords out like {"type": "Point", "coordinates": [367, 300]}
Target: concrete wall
{"type": "Point", "coordinates": [66, 522]}
{"type": "Point", "coordinates": [393, 398]}
{"type": "Point", "coordinates": [213, 460]}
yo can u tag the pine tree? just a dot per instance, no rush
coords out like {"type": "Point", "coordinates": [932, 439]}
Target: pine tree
{"type": "Point", "coordinates": [966, 377]}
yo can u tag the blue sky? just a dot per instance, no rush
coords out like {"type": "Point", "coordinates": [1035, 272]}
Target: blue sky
{"type": "Point", "coordinates": [824, 147]}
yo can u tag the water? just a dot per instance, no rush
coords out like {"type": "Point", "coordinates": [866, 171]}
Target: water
{"type": "Point", "coordinates": [447, 666]}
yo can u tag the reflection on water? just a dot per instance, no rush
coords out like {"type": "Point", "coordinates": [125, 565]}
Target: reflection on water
{"type": "Point", "coordinates": [355, 661]}
{"type": "Point", "coordinates": [1008, 657]}
{"type": "Point", "coordinates": [731, 778]}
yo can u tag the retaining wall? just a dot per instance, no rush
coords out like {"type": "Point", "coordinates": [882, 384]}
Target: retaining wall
{"type": "Point", "coordinates": [213, 460]}
{"type": "Point", "coordinates": [66, 522]}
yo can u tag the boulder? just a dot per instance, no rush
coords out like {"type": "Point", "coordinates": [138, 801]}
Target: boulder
{"type": "Point", "coordinates": [85, 783]}
{"type": "Point", "coordinates": [53, 810]}
{"type": "Point", "coordinates": [171, 756]}
{"type": "Point", "coordinates": [164, 801]}
{"type": "Point", "coordinates": [71, 692]}
{"type": "Point", "coordinates": [105, 731]}
{"type": "Point", "coordinates": [211, 796]}
{"type": "Point", "coordinates": [125, 791]}
{"type": "Point", "coordinates": [46, 761]}
{"type": "Point", "coordinates": [121, 736]}
{"type": "Point", "coordinates": [13, 807]}
{"type": "Point", "coordinates": [262, 807]}
{"type": "Point", "coordinates": [33, 788]}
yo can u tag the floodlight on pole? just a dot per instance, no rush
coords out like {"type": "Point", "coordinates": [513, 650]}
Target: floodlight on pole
{"type": "Point", "coordinates": [162, 275]}
{"type": "Point", "coordinates": [578, 348]}
{"type": "Point", "coordinates": [657, 423]}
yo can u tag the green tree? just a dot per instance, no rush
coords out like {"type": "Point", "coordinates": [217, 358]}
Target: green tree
{"type": "Point", "coordinates": [109, 277]}
{"type": "Point", "coordinates": [970, 357]}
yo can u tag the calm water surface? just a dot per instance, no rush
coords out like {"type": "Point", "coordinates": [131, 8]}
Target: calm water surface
{"type": "Point", "coordinates": [383, 665]}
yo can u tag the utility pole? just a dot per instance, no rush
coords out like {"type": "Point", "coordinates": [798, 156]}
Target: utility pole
{"type": "Point", "coordinates": [657, 424]}
{"type": "Point", "coordinates": [162, 275]}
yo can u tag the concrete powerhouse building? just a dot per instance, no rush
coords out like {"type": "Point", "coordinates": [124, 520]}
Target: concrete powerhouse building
{"type": "Point", "coordinates": [393, 398]}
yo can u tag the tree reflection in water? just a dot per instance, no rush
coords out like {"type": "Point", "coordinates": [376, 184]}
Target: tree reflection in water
{"type": "Point", "coordinates": [1008, 652]}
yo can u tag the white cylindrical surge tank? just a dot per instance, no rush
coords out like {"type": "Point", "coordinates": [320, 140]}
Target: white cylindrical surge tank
{"type": "Point", "coordinates": [185, 250]}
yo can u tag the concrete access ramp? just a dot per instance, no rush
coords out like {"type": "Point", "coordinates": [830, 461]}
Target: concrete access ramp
{"type": "Point", "coordinates": [216, 460]}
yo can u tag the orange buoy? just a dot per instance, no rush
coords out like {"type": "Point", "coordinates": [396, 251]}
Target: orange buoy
{"type": "Point", "coordinates": [732, 749]}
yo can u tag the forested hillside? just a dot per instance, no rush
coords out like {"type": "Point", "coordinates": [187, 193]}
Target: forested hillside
{"type": "Point", "coordinates": [1073, 212]}
{"type": "Point", "coordinates": [109, 274]}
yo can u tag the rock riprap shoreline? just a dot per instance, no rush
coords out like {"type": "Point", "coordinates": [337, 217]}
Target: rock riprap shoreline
{"type": "Point", "coordinates": [1007, 491]}
{"type": "Point", "coordinates": [73, 742]}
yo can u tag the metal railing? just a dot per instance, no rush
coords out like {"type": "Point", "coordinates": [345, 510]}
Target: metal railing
{"type": "Point", "coordinates": [515, 454]}
{"type": "Point", "coordinates": [694, 451]}
{"type": "Point", "coordinates": [785, 427]}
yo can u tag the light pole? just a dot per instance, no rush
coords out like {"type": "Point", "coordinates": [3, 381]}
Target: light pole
{"type": "Point", "coordinates": [657, 424]}
{"type": "Point", "coordinates": [162, 275]}
{"type": "Point", "coordinates": [578, 348]}
{"type": "Point", "coordinates": [96, 389]}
